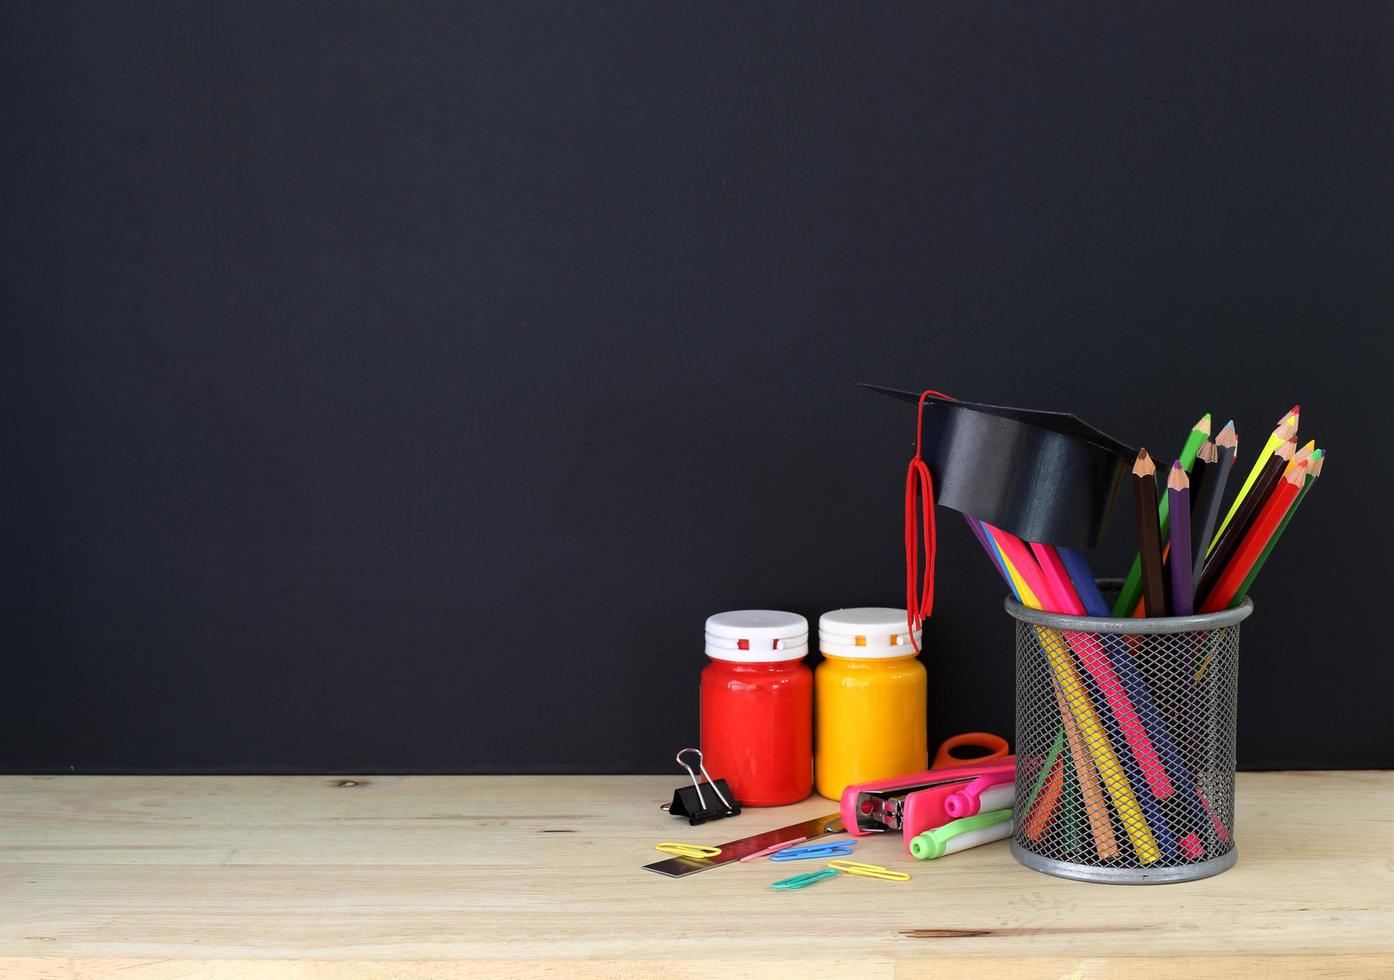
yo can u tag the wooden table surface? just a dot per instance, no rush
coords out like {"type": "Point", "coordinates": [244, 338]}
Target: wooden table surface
{"type": "Point", "coordinates": [254, 876]}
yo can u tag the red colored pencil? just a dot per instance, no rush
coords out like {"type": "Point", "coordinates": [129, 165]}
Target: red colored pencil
{"type": "Point", "coordinates": [1256, 539]}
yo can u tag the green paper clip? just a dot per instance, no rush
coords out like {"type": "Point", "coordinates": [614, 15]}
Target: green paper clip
{"type": "Point", "coordinates": [803, 881]}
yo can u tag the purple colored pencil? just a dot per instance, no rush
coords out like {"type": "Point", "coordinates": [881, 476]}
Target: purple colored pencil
{"type": "Point", "coordinates": [1179, 504]}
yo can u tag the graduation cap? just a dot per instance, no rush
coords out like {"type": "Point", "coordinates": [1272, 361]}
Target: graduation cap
{"type": "Point", "coordinates": [1044, 476]}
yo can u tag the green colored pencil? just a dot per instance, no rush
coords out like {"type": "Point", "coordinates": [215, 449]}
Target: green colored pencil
{"type": "Point", "coordinates": [1050, 758]}
{"type": "Point", "coordinates": [1132, 585]}
{"type": "Point", "coordinates": [1313, 471]}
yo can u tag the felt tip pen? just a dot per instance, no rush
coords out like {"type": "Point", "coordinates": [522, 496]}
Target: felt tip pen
{"type": "Point", "coordinates": [984, 793]}
{"type": "Point", "coordinates": [962, 834]}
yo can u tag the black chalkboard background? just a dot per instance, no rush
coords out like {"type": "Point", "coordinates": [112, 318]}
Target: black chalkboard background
{"type": "Point", "coordinates": [397, 386]}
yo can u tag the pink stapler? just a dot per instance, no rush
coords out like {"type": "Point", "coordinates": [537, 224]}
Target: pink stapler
{"type": "Point", "coordinates": [917, 802]}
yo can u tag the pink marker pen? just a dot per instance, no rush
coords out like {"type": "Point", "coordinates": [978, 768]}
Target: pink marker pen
{"type": "Point", "coordinates": [986, 793]}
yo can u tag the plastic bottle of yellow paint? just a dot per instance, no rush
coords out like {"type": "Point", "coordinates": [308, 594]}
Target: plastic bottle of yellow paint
{"type": "Point", "coordinates": [869, 696]}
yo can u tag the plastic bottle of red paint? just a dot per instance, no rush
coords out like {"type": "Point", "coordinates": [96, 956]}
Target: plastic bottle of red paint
{"type": "Point", "coordinates": [757, 706]}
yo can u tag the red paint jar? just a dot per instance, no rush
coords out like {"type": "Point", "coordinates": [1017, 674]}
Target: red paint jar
{"type": "Point", "coordinates": [757, 706]}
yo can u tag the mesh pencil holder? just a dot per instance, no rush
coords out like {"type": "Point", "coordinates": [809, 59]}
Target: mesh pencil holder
{"type": "Point", "coordinates": [1125, 740]}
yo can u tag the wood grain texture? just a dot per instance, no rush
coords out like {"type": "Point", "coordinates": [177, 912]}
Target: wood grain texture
{"type": "Point", "coordinates": [254, 876]}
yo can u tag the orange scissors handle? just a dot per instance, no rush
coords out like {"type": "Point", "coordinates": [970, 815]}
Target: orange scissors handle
{"type": "Point", "coordinates": [990, 746]}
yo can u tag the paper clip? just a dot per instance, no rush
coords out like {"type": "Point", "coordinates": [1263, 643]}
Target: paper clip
{"type": "Point", "coordinates": [869, 870]}
{"type": "Point", "coordinates": [814, 851]}
{"type": "Point", "coordinates": [765, 852]}
{"type": "Point", "coordinates": [803, 881]}
{"type": "Point", "coordinates": [687, 850]}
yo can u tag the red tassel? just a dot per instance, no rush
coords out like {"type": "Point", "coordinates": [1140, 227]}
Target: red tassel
{"type": "Point", "coordinates": [919, 599]}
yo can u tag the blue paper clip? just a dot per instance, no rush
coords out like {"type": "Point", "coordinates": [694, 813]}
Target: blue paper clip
{"type": "Point", "coordinates": [803, 881]}
{"type": "Point", "coordinates": [832, 849]}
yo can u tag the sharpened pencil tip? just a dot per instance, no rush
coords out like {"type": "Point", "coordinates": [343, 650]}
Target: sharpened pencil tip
{"type": "Point", "coordinates": [1144, 465]}
{"type": "Point", "coordinates": [1228, 437]}
{"type": "Point", "coordinates": [1177, 478]}
{"type": "Point", "coordinates": [1203, 424]}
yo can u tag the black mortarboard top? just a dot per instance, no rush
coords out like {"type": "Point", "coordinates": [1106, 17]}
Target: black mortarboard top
{"type": "Point", "coordinates": [1044, 476]}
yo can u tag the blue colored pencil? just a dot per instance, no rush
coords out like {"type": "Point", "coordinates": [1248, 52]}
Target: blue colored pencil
{"type": "Point", "coordinates": [1085, 586]}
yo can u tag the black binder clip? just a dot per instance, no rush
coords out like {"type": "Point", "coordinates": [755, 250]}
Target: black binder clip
{"type": "Point", "coordinates": [692, 803]}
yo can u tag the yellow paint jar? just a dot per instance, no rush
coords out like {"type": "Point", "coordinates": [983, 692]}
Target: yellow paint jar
{"type": "Point", "coordinates": [869, 695]}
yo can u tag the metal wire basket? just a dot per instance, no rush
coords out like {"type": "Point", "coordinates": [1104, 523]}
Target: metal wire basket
{"type": "Point", "coordinates": [1125, 744]}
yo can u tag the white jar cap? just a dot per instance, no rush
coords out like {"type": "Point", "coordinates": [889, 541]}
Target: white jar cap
{"type": "Point", "coordinates": [757, 636]}
{"type": "Point", "coordinates": [868, 633]}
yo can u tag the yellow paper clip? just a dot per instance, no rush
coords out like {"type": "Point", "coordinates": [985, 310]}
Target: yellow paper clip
{"type": "Point", "coordinates": [868, 870]}
{"type": "Point", "coordinates": [687, 850]}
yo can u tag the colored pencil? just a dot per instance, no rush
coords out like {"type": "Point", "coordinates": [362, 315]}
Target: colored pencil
{"type": "Point", "coordinates": [1183, 604]}
{"type": "Point", "coordinates": [1062, 592]}
{"type": "Point", "coordinates": [1268, 479]}
{"type": "Point", "coordinates": [1206, 457]}
{"type": "Point", "coordinates": [1083, 579]}
{"type": "Point", "coordinates": [1148, 536]}
{"type": "Point", "coordinates": [1039, 815]}
{"type": "Point", "coordinates": [1090, 790]}
{"type": "Point", "coordinates": [1209, 495]}
{"type": "Point", "coordinates": [1179, 492]}
{"type": "Point", "coordinates": [1132, 585]}
{"type": "Point", "coordinates": [1257, 538]}
{"type": "Point", "coordinates": [1070, 804]}
{"type": "Point", "coordinates": [1220, 832]}
{"type": "Point", "coordinates": [1302, 455]}
{"type": "Point", "coordinates": [1313, 471]}
{"type": "Point", "coordinates": [1053, 753]}
{"type": "Point", "coordinates": [1286, 429]}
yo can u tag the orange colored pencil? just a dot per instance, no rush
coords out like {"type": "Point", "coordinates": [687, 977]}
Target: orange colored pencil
{"type": "Point", "coordinates": [1256, 539]}
{"type": "Point", "coordinates": [1090, 789]}
{"type": "Point", "coordinates": [1039, 818]}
